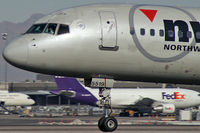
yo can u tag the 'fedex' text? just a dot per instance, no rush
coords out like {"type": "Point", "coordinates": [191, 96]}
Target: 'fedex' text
{"type": "Point", "coordinates": [175, 95]}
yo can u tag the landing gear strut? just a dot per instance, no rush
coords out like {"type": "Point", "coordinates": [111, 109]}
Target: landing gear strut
{"type": "Point", "coordinates": [106, 123]}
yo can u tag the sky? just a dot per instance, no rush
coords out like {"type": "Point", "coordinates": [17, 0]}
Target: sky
{"type": "Point", "coordinates": [20, 10]}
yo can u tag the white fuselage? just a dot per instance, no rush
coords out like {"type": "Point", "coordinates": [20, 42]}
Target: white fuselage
{"type": "Point", "coordinates": [128, 98]}
{"type": "Point", "coordinates": [15, 99]}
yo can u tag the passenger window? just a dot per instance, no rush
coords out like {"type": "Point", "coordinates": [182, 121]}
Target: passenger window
{"type": "Point", "coordinates": [63, 29]}
{"type": "Point", "coordinates": [132, 31]}
{"type": "Point", "coordinates": [36, 28]}
{"type": "Point", "coordinates": [161, 32]}
{"type": "Point", "coordinates": [152, 32]}
{"type": "Point", "coordinates": [142, 31]}
{"type": "Point", "coordinates": [198, 35]}
{"type": "Point", "coordinates": [171, 33]}
{"type": "Point", "coordinates": [180, 34]}
{"type": "Point", "coordinates": [189, 34]}
{"type": "Point", "coordinates": [51, 29]}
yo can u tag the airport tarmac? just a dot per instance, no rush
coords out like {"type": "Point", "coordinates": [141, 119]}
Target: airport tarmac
{"type": "Point", "coordinates": [88, 124]}
{"type": "Point", "coordinates": [94, 129]}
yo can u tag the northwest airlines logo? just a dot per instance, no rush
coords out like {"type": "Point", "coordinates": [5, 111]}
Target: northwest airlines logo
{"type": "Point", "coordinates": [175, 95]}
{"type": "Point", "coordinates": [181, 41]}
{"type": "Point", "coordinates": [169, 26]}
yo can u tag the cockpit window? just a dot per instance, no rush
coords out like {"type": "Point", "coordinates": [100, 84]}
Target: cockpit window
{"type": "Point", "coordinates": [37, 28]}
{"type": "Point", "coordinates": [28, 97]}
{"type": "Point", "coordinates": [51, 29]}
{"type": "Point", "coordinates": [63, 29]}
{"type": "Point", "coordinates": [198, 94]}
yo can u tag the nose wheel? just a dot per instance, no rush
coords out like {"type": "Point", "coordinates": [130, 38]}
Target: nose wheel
{"type": "Point", "coordinates": [106, 123]}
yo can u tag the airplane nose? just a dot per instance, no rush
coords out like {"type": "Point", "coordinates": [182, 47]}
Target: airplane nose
{"type": "Point", "coordinates": [16, 53]}
{"type": "Point", "coordinates": [32, 102]}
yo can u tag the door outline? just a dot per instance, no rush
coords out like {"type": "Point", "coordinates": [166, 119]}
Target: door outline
{"type": "Point", "coordinates": [108, 28]}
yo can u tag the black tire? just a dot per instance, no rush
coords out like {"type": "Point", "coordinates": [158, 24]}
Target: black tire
{"type": "Point", "coordinates": [110, 124]}
{"type": "Point", "coordinates": [136, 115]}
{"type": "Point", "coordinates": [141, 114]}
{"type": "Point", "coordinates": [101, 124]}
{"type": "Point", "coordinates": [124, 114]}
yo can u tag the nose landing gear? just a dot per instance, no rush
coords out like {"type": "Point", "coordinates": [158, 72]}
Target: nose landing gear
{"type": "Point", "coordinates": [106, 123]}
